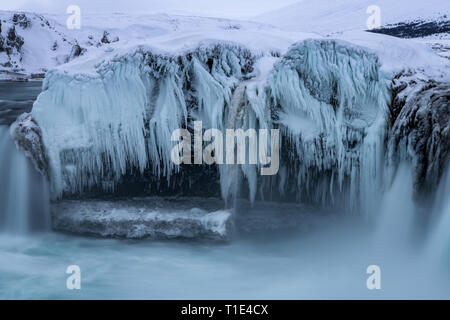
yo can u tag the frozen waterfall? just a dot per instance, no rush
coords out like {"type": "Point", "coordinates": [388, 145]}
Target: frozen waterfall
{"type": "Point", "coordinates": [331, 101]}
{"type": "Point", "coordinates": [328, 98]}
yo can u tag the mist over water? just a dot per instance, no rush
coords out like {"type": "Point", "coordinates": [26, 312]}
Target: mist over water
{"type": "Point", "coordinates": [306, 253]}
{"type": "Point", "coordinates": [328, 260]}
{"type": "Point", "coordinates": [24, 192]}
{"type": "Point", "coordinates": [395, 221]}
{"type": "Point", "coordinates": [438, 245]}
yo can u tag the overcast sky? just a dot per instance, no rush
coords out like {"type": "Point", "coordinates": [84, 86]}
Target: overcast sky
{"type": "Point", "coordinates": [224, 8]}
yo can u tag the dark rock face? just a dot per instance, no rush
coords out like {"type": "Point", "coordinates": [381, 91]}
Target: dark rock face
{"type": "Point", "coordinates": [76, 52]}
{"type": "Point", "coordinates": [13, 40]}
{"type": "Point", "coordinates": [28, 137]}
{"type": "Point", "coordinates": [105, 38]}
{"type": "Point", "coordinates": [420, 114]}
{"type": "Point", "coordinates": [10, 42]}
{"type": "Point", "coordinates": [21, 20]}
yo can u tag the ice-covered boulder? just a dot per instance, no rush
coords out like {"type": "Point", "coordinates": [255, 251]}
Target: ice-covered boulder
{"type": "Point", "coordinates": [21, 20]}
{"type": "Point", "coordinates": [330, 99]}
{"type": "Point", "coordinates": [140, 218]}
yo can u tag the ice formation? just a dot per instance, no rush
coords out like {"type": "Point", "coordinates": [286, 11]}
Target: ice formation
{"type": "Point", "coordinates": [109, 116]}
{"type": "Point", "coordinates": [98, 127]}
{"type": "Point", "coordinates": [331, 102]}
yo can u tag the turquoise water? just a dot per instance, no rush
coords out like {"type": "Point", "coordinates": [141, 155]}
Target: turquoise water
{"type": "Point", "coordinates": [328, 263]}
{"type": "Point", "coordinates": [17, 98]}
{"type": "Point", "coordinates": [311, 256]}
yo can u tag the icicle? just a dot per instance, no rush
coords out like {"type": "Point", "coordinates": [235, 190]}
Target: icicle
{"type": "Point", "coordinates": [100, 126]}
{"type": "Point", "coordinates": [332, 101]}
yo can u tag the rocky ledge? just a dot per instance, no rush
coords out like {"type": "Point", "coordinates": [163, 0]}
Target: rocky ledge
{"type": "Point", "coordinates": [420, 128]}
{"type": "Point", "coordinates": [140, 218]}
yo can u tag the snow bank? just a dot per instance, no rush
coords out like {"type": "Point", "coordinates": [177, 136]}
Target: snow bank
{"type": "Point", "coordinates": [396, 54]}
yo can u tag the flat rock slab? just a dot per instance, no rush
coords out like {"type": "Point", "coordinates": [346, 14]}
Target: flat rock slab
{"type": "Point", "coordinates": [141, 218]}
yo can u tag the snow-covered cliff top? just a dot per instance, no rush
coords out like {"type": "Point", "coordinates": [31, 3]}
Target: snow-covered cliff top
{"type": "Point", "coordinates": [43, 42]}
{"type": "Point", "coordinates": [395, 54]}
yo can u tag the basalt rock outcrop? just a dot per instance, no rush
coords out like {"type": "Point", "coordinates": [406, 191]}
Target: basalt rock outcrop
{"type": "Point", "coordinates": [28, 137]}
{"type": "Point", "coordinates": [420, 127]}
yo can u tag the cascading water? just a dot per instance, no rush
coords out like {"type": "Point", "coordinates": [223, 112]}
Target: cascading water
{"type": "Point", "coordinates": [24, 192]}
{"type": "Point", "coordinates": [438, 248]}
{"type": "Point", "coordinates": [231, 177]}
{"type": "Point", "coordinates": [396, 216]}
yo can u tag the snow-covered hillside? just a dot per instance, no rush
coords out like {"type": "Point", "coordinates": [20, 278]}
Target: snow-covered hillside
{"type": "Point", "coordinates": [31, 44]}
{"type": "Point", "coordinates": [331, 16]}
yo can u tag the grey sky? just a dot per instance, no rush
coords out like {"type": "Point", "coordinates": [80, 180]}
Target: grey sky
{"type": "Point", "coordinates": [224, 8]}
